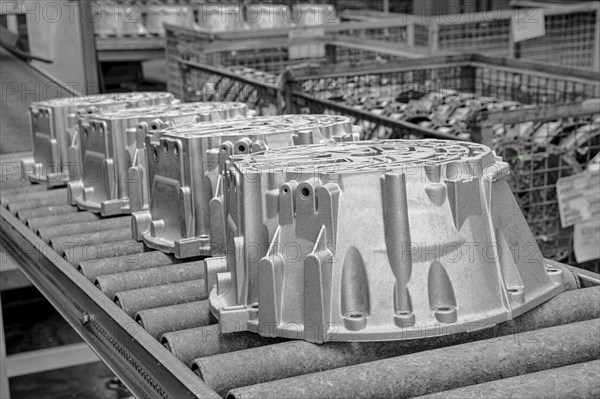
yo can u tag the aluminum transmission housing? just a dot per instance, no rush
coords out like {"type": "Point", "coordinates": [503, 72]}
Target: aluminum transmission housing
{"type": "Point", "coordinates": [114, 173]}
{"type": "Point", "coordinates": [375, 240]}
{"type": "Point", "coordinates": [186, 215]}
{"type": "Point", "coordinates": [54, 131]}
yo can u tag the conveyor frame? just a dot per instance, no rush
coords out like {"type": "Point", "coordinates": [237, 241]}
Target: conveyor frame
{"type": "Point", "coordinates": [145, 367]}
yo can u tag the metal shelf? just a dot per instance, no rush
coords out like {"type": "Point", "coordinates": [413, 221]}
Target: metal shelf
{"type": "Point", "coordinates": [130, 48]}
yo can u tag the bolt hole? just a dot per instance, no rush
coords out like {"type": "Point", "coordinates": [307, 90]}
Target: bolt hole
{"type": "Point", "coordinates": [154, 126]}
{"type": "Point", "coordinates": [356, 316]}
{"type": "Point", "coordinates": [305, 192]}
{"type": "Point", "coordinates": [255, 306]}
{"type": "Point", "coordinates": [285, 190]}
{"type": "Point", "coordinates": [553, 271]}
{"type": "Point", "coordinates": [241, 148]}
{"type": "Point", "coordinates": [513, 290]}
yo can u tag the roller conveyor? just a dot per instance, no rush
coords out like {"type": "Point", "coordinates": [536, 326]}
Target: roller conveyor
{"type": "Point", "coordinates": [148, 369]}
{"type": "Point", "coordinates": [166, 339]}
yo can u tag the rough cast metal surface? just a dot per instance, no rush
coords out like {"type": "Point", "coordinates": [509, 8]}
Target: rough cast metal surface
{"type": "Point", "coordinates": [374, 241]}
{"type": "Point", "coordinates": [54, 131]}
{"type": "Point", "coordinates": [186, 215]}
{"type": "Point", "coordinates": [114, 172]}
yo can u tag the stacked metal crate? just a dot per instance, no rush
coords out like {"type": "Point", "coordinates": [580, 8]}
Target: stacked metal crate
{"type": "Point", "coordinates": [571, 33]}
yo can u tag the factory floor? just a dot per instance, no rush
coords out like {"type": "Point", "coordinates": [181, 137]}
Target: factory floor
{"type": "Point", "coordinates": [31, 323]}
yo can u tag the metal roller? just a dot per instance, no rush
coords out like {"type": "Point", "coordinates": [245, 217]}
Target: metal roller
{"type": "Point", "coordinates": [48, 233]}
{"type": "Point", "coordinates": [576, 381]}
{"type": "Point", "coordinates": [36, 223]}
{"type": "Point", "coordinates": [67, 243]}
{"type": "Point", "coordinates": [175, 318]}
{"type": "Point", "coordinates": [100, 267]}
{"type": "Point", "coordinates": [196, 343]}
{"type": "Point", "coordinates": [113, 250]}
{"type": "Point", "coordinates": [11, 174]}
{"type": "Point", "coordinates": [113, 283]}
{"type": "Point", "coordinates": [25, 215]}
{"type": "Point", "coordinates": [55, 136]}
{"type": "Point", "coordinates": [16, 207]}
{"type": "Point", "coordinates": [22, 188]}
{"type": "Point", "coordinates": [14, 187]}
{"type": "Point", "coordinates": [440, 369]}
{"type": "Point", "coordinates": [10, 171]}
{"type": "Point", "coordinates": [33, 195]}
{"type": "Point", "coordinates": [294, 358]}
{"type": "Point", "coordinates": [164, 295]}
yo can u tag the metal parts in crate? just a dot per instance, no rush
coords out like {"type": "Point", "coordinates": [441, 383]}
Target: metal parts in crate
{"type": "Point", "coordinates": [159, 14]}
{"type": "Point", "coordinates": [54, 131]}
{"type": "Point", "coordinates": [186, 202]}
{"type": "Point", "coordinates": [543, 145]}
{"type": "Point", "coordinates": [375, 240]}
{"type": "Point", "coordinates": [445, 111]}
{"type": "Point", "coordinates": [114, 19]}
{"type": "Point", "coordinates": [223, 17]}
{"type": "Point", "coordinates": [114, 162]}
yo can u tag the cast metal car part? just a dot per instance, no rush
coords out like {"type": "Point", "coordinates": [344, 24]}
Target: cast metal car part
{"type": "Point", "coordinates": [375, 240]}
{"type": "Point", "coordinates": [221, 17]}
{"type": "Point", "coordinates": [54, 131]}
{"type": "Point", "coordinates": [159, 14]}
{"type": "Point", "coordinates": [186, 202]}
{"type": "Point", "coordinates": [114, 178]}
{"type": "Point", "coordinates": [113, 19]}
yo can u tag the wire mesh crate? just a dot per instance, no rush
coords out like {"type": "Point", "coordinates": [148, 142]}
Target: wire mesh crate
{"type": "Point", "coordinates": [253, 76]}
{"type": "Point", "coordinates": [258, 89]}
{"type": "Point", "coordinates": [552, 139]}
{"type": "Point", "coordinates": [543, 144]}
{"type": "Point", "coordinates": [571, 35]}
{"type": "Point", "coordinates": [272, 50]}
{"type": "Point", "coordinates": [323, 89]}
